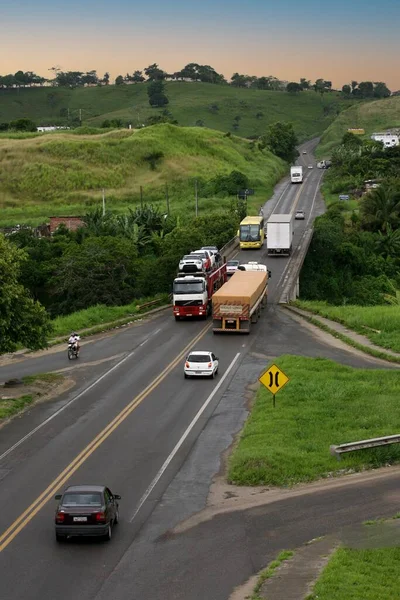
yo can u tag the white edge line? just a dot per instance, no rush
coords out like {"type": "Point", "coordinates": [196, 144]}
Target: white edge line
{"type": "Point", "coordinates": [182, 439]}
{"type": "Point", "coordinates": [60, 410]}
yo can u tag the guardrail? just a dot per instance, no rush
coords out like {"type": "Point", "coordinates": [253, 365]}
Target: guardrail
{"type": "Point", "coordinates": [230, 248]}
{"type": "Point", "coordinates": [291, 281]}
{"type": "Point", "coordinates": [363, 444]}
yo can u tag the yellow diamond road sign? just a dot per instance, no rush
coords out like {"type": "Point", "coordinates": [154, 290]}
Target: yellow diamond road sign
{"type": "Point", "coordinates": [274, 379]}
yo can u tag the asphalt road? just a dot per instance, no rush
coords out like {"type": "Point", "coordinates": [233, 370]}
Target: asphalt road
{"type": "Point", "coordinates": [134, 423]}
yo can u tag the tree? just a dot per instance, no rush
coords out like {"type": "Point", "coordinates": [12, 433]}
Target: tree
{"type": "Point", "coordinates": [155, 92]}
{"type": "Point", "coordinates": [305, 84]}
{"type": "Point", "coordinates": [366, 89]}
{"type": "Point", "coordinates": [119, 80]}
{"type": "Point", "coordinates": [282, 141]}
{"type": "Point", "coordinates": [23, 125]}
{"type": "Point", "coordinates": [381, 90]}
{"type": "Point", "coordinates": [351, 140]}
{"type": "Point", "coordinates": [293, 87]}
{"type": "Point", "coordinates": [137, 77]}
{"type": "Point", "coordinates": [22, 320]}
{"type": "Point", "coordinates": [154, 73]}
{"type": "Point", "coordinates": [106, 78]}
{"type": "Point", "coordinates": [380, 209]}
{"type": "Point", "coordinates": [346, 90]}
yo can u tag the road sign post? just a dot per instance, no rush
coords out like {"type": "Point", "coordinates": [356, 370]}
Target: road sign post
{"type": "Point", "coordinates": [273, 379]}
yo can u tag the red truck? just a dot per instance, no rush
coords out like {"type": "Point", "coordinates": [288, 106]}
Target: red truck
{"type": "Point", "coordinates": [192, 294]}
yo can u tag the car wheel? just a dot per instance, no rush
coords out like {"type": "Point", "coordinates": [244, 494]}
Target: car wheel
{"type": "Point", "coordinates": [216, 372]}
{"type": "Point", "coordinates": [212, 375]}
{"type": "Point", "coordinates": [177, 318]}
{"type": "Point", "coordinates": [186, 376]}
{"type": "Point", "coordinates": [116, 518]}
{"type": "Point", "coordinates": [108, 535]}
{"type": "Point", "coordinates": [60, 538]}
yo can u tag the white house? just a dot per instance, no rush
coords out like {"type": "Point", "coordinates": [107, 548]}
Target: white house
{"type": "Point", "coordinates": [389, 139]}
{"type": "Point", "coordinates": [51, 128]}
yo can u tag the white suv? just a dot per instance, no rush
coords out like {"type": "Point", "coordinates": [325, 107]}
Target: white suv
{"type": "Point", "coordinates": [191, 264]}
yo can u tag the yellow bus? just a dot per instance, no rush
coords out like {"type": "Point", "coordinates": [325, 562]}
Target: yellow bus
{"type": "Point", "coordinates": [251, 232]}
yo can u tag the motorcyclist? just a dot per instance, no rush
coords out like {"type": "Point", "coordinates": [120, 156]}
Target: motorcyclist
{"type": "Point", "coordinates": [74, 339]}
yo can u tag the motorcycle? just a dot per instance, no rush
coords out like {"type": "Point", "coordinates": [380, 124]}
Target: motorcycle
{"type": "Point", "coordinates": [73, 351]}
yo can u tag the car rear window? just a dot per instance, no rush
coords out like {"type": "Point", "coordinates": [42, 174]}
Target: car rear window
{"type": "Point", "coordinates": [200, 358]}
{"type": "Point", "coordinates": [82, 499]}
{"type": "Point", "coordinates": [232, 263]}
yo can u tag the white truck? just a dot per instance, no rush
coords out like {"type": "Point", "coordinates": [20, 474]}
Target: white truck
{"type": "Point", "coordinates": [296, 174]}
{"type": "Point", "coordinates": [280, 235]}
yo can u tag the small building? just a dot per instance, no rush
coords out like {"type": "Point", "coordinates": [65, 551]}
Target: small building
{"type": "Point", "coordinates": [44, 129]}
{"type": "Point", "coordinates": [388, 139]}
{"type": "Point", "coordinates": [71, 223]}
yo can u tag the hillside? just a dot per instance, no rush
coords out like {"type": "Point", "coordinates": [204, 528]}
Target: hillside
{"type": "Point", "coordinates": [64, 173]}
{"type": "Point", "coordinates": [371, 116]}
{"type": "Point", "coordinates": [215, 105]}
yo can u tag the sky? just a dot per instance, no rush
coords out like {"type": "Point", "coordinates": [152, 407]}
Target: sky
{"type": "Point", "coordinates": [337, 40]}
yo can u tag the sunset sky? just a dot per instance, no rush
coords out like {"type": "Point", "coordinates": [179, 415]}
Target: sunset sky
{"type": "Point", "coordinates": [338, 41]}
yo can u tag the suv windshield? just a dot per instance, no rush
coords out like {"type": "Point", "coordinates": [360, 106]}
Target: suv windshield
{"type": "Point", "coordinates": [199, 358]}
{"type": "Point", "coordinates": [82, 499]}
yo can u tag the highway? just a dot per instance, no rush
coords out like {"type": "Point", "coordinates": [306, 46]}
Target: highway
{"type": "Point", "coordinates": [133, 423]}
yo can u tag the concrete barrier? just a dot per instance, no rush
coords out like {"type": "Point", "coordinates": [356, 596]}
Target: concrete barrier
{"type": "Point", "coordinates": [230, 248]}
{"type": "Point", "coordinates": [291, 281]}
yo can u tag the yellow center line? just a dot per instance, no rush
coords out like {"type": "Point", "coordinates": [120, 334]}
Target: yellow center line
{"type": "Point", "coordinates": [45, 496]}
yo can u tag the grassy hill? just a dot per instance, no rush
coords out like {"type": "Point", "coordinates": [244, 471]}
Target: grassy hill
{"type": "Point", "coordinates": [188, 103]}
{"type": "Point", "coordinates": [371, 116]}
{"type": "Point", "coordinates": [64, 173]}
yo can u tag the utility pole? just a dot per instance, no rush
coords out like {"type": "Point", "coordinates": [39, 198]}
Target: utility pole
{"type": "Point", "coordinates": [80, 117]}
{"type": "Point", "coordinates": [104, 203]}
{"type": "Point", "coordinates": [196, 197]}
{"type": "Point", "coordinates": [141, 196]}
{"type": "Point", "coordinates": [167, 197]}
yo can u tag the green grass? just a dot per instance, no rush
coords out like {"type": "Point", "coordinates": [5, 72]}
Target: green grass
{"type": "Point", "coordinates": [9, 408]}
{"type": "Point", "coordinates": [270, 572]}
{"type": "Point", "coordinates": [63, 174]}
{"type": "Point", "coordinates": [380, 324]}
{"type": "Point", "coordinates": [188, 103]}
{"type": "Point", "coordinates": [370, 116]}
{"type": "Point", "coordinates": [351, 574]}
{"type": "Point", "coordinates": [324, 403]}
{"type": "Point", "coordinates": [100, 314]}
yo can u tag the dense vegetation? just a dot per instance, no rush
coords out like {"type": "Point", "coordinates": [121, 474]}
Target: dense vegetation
{"type": "Point", "coordinates": [370, 116]}
{"type": "Point", "coordinates": [354, 257]}
{"type": "Point", "coordinates": [64, 174]}
{"type": "Point", "coordinates": [114, 258]}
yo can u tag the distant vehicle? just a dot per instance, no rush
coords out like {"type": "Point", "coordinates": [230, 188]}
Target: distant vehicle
{"type": "Point", "coordinates": [310, 167]}
{"type": "Point", "coordinates": [304, 152]}
{"type": "Point", "coordinates": [300, 215]}
{"type": "Point", "coordinates": [253, 265]}
{"type": "Point", "coordinates": [280, 234]}
{"type": "Point", "coordinates": [324, 164]}
{"type": "Point", "coordinates": [231, 267]}
{"type": "Point", "coordinates": [209, 259]}
{"type": "Point", "coordinates": [251, 232]}
{"type": "Point", "coordinates": [296, 174]}
{"type": "Point", "coordinates": [214, 250]}
{"type": "Point", "coordinates": [201, 364]}
{"type": "Point", "coordinates": [86, 510]}
{"type": "Point", "coordinates": [191, 264]}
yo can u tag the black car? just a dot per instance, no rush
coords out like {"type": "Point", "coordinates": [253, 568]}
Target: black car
{"type": "Point", "coordinates": [86, 510]}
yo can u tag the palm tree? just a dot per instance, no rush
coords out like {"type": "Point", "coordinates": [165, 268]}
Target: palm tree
{"type": "Point", "coordinates": [381, 208]}
{"type": "Point", "coordinates": [388, 244]}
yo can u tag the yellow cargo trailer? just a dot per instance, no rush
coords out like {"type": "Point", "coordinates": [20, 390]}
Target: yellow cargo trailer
{"type": "Point", "coordinates": [239, 301]}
